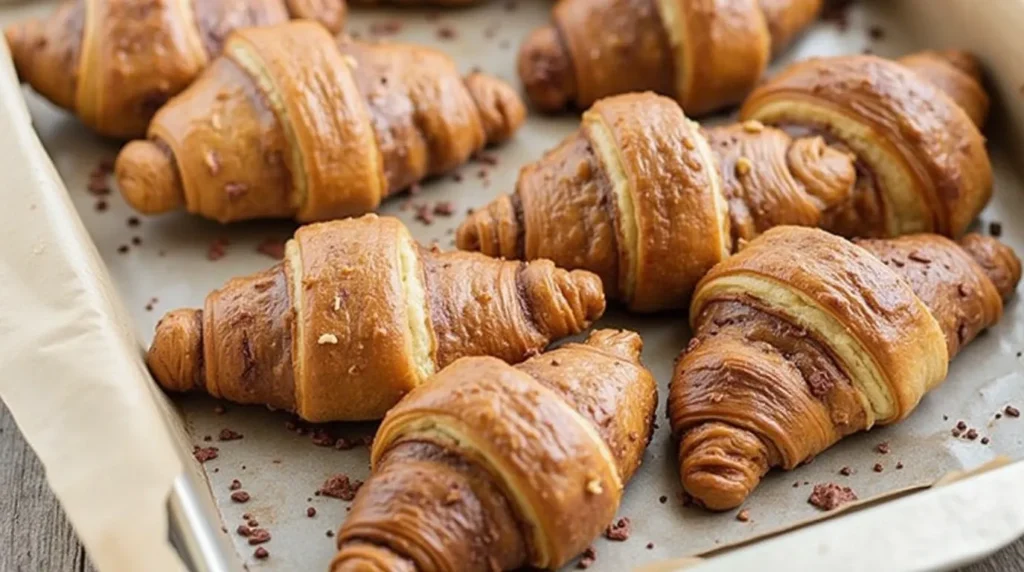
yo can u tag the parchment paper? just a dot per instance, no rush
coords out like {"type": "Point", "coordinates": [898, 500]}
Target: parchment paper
{"type": "Point", "coordinates": [71, 366]}
{"type": "Point", "coordinates": [282, 469]}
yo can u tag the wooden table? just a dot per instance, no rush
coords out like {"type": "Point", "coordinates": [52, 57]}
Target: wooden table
{"type": "Point", "coordinates": [35, 536]}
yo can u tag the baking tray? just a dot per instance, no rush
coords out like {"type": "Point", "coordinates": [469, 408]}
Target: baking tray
{"type": "Point", "coordinates": [161, 263]}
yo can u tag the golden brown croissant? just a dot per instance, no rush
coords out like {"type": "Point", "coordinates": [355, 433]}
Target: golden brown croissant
{"type": "Point", "coordinates": [115, 62]}
{"type": "Point", "coordinates": [291, 122]}
{"type": "Point", "coordinates": [643, 197]}
{"type": "Point", "coordinates": [493, 467]}
{"type": "Point", "coordinates": [357, 315]}
{"type": "Point", "coordinates": [707, 54]}
{"type": "Point", "coordinates": [803, 338]}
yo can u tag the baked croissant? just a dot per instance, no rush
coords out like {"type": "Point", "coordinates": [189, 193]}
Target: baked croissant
{"type": "Point", "coordinates": [649, 201]}
{"type": "Point", "coordinates": [357, 315]}
{"type": "Point", "coordinates": [291, 122]}
{"type": "Point", "coordinates": [803, 338]}
{"type": "Point", "coordinates": [115, 62]}
{"type": "Point", "coordinates": [707, 54]}
{"type": "Point", "coordinates": [494, 467]}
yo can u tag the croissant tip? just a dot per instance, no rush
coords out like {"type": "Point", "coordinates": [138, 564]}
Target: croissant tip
{"type": "Point", "coordinates": [501, 110]}
{"type": "Point", "coordinates": [546, 71]}
{"type": "Point", "coordinates": [17, 36]}
{"type": "Point", "coordinates": [147, 178]}
{"type": "Point", "coordinates": [591, 293]}
{"type": "Point", "coordinates": [174, 358]}
{"type": "Point", "coordinates": [624, 343]}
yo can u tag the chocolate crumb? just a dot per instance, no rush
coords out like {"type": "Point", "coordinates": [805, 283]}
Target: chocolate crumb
{"type": "Point", "coordinates": [101, 206]}
{"type": "Point", "coordinates": [217, 249]}
{"type": "Point", "coordinates": [321, 438]}
{"type": "Point", "coordinates": [385, 28]}
{"type": "Point", "coordinates": [587, 559]}
{"type": "Point", "coordinates": [985, 440]}
{"type": "Point", "coordinates": [883, 448]}
{"type": "Point", "coordinates": [259, 536]}
{"type": "Point", "coordinates": [235, 485]}
{"type": "Point", "coordinates": [207, 438]}
{"type": "Point", "coordinates": [446, 33]}
{"type": "Point", "coordinates": [204, 454]}
{"type": "Point", "coordinates": [619, 530]}
{"type": "Point", "coordinates": [846, 471]}
{"type": "Point", "coordinates": [246, 516]}
{"type": "Point", "coordinates": [878, 468]}
{"type": "Point", "coordinates": [955, 432]}
{"type": "Point", "coordinates": [310, 512]}
{"type": "Point", "coordinates": [945, 417]}
{"type": "Point", "coordinates": [876, 32]}
{"type": "Point", "coordinates": [253, 523]}
{"type": "Point", "coordinates": [133, 221]}
{"type": "Point", "coordinates": [260, 553]}
{"type": "Point", "coordinates": [962, 426]}
{"type": "Point", "coordinates": [424, 214]}
{"type": "Point", "coordinates": [899, 466]}
{"type": "Point", "coordinates": [444, 208]}
{"type": "Point", "coordinates": [650, 545]}
{"type": "Point", "coordinates": [240, 496]}
{"type": "Point", "coordinates": [330, 533]}
{"type": "Point", "coordinates": [829, 496]}
{"type": "Point", "coordinates": [98, 186]}
{"type": "Point", "coordinates": [1012, 411]}
{"type": "Point", "coordinates": [272, 247]}
{"type": "Point", "coordinates": [340, 487]}
{"type": "Point", "coordinates": [243, 530]}
{"type": "Point", "coordinates": [486, 159]}
{"type": "Point", "coordinates": [995, 229]}
{"type": "Point", "coordinates": [123, 249]}
{"type": "Point", "coordinates": [972, 434]}
{"type": "Point", "coordinates": [663, 499]}
{"type": "Point", "coordinates": [743, 515]}
{"type": "Point", "coordinates": [229, 435]}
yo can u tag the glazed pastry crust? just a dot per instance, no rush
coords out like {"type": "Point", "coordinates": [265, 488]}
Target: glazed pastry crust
{"type": "Point", "coordinates": [114, 62]}
{"type": "Point", "coordinates": [767, 383]}
{"type": "Point", "coordinates": [706, 54]}
{"type": "Point", "coordinates": [357, 315]}
{"type": "Point", "coordinates": [248, 140]}
{"type": "Point", "coordinates": [923, 149]}
{"type": "Point", "coordinates": [526, 464]}
{"type": "Point", "coordinates": [637, 172]}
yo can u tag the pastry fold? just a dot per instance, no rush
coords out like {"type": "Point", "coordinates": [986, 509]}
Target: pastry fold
{"type": "Point", "coordinates": [115, 62]}
{"type": "Point", "coordinates": [262, 135]}
{"type": "Point", "coordinates": [494, 467]}
{"type": "Point", "coordinates": [804, 337]}
{"type": "Point", "coordinates": [706, 54]}
{"type": "Point", "coordinates": [357, 315]}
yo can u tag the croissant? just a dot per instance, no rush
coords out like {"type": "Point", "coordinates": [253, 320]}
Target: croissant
{"type": "Point", "coordinates": [649, 201]}
{"type": "Point", "coordinates": [707, 54]}
{"type": "Point", "coordinates": [804, 337]}
{"type": "Point", "coordinates": [291, 122]}
{"type": "Point", "coordinates": [115, 62]}
{"type": "Point", "coordinates": [357, 315]}
{"type": "Point", "coordinates": [494, 467]}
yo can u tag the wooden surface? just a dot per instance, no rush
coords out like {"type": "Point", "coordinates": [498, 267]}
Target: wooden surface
{"type": "Point", "coordinates": [35, 536]}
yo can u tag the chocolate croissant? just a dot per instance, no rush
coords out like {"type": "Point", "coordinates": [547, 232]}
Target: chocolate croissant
{"type": "Point", "coordinates": [115, 62]}
{"type": "Point", "coordinates": [803, 338]}
{"type": "Point", "coordinates": [706, 54]}
{"type": "Point", "coordinates": [493, 467]}
{"type": "Point", "coordinates": [357, 315]}
{"type": "Point", "coordinates": [649, 201]}
{"type": "Point", "coordinates": [290, 122]}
